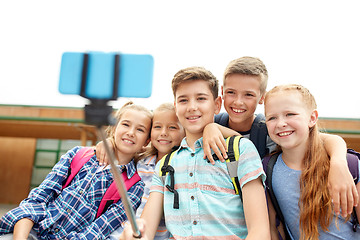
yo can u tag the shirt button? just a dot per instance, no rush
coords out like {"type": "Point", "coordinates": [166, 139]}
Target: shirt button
{"type": "Point", "coordinates": [191, 174]}
{"type": "Point", "coordinates": [192, 197]}
{"type": "Point", "coordinates": [68, 211]}
{"type": "Point", "coordinates": [81, 191]}
{"type": "Point", "coordinates": [194, 222]}
{"type": "Point", "coordinates": [192, 154]}
{"type": "Point", "coordinates": [56, 230]}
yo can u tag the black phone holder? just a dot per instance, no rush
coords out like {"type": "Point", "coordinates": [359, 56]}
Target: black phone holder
{"type": "Point", "coordinates": [98, 112]}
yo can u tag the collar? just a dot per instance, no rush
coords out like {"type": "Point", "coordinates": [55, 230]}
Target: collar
{"type": "Point", "coordinates": [130, 168]}
{"type": "Point", "coordinates": [150, 161]}
{"type": "Point", "coordinates": [198, 144]}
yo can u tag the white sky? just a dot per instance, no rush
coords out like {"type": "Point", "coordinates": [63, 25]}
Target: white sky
{"type": "Point", "coordinates": [313, 43]}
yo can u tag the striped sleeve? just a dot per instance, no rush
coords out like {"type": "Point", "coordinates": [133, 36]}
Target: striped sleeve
{"type": "Point", "coordinates": [250, 166]}
{"type": "Point", "coordinates": [157, 184]}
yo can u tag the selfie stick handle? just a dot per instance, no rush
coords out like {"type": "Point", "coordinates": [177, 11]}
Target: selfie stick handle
{"type": "Point", "coordinates": [120, 185]}
{"type": "Point", "coordinates": [98, 113]}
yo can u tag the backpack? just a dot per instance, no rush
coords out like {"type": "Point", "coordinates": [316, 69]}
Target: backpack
{"type": "Point", "coordinates": [353, 159]}
{"type": "Point", "coordinates": [231, 164]}
{"type": "Point", "coordinates": [258, 131]}
{"type": "Point", "coordinates": [111, 195]}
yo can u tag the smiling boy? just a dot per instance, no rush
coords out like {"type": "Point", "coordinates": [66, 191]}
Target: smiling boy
{"type": "Point", "coordinates": [202, 203]}
{"type": "Point", "coordinates": [244, 87]}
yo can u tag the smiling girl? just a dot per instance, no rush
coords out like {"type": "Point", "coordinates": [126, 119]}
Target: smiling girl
{"type": "Point", "coordinates": [166, 133]}
{"type": "Point", "coordinates": [54, 212]}
{"type": "Point", "coordinates": [300, 174]}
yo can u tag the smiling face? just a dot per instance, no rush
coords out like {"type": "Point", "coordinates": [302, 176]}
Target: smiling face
{"type": "Point", "coordinates": [288, 119]}
{"type": "Point", "coordinates": [166, 131]}
{"type": "Point", "coordinates": [131, 134]}
{"type": "Point", "coordinates": [241, 95]}
{"type": "Point", "coordinates": [195, 107]}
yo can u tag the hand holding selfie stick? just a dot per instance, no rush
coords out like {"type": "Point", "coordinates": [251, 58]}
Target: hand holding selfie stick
{"type": "Point", "coordinates": [98, 113]}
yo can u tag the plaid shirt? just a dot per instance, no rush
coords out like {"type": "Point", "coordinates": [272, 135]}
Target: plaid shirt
{"type": "Point", "coordinates": [70, 213]}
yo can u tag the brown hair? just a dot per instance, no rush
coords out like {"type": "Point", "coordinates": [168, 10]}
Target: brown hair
{"type": "Point", "coordinates": [315, 200]}
{"type": "Point", "coordinates": [195, 73]}
{"type": "Point", "coordinates": [248, 66]}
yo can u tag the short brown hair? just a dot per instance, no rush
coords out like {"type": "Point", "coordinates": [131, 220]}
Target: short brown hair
{"type": "Point", "coordinates": [248, 66]}
{"type": "Point", "coordinates": [196, 73]}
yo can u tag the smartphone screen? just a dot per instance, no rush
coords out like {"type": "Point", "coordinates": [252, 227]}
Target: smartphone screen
{"type": "Point", "coordinates": [135, 75]}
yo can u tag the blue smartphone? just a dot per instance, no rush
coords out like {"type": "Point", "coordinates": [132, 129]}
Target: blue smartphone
{"type": "Point", "coordinates": [96, 81]}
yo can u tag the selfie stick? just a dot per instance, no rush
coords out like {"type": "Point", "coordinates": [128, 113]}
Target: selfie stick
{"type": "Point", "coordinates": [98, 113]}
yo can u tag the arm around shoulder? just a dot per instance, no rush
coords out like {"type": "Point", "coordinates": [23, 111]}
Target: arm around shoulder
{"type": "Point", "coordinates": [343, 193]}
{"type": "Point", "coordinates": [213, 138]}
{"type": "Point", "coordinates": [335, 146]}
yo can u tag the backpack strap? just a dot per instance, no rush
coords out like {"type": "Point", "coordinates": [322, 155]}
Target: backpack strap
{"type": "Point", "coordinates": [164, 162]}
{"type": "Point", "coordinates": [258, 131]}
{"type": "Point", "coordinates": [232, 162]}
{"type": "Point", "coordinates": [166, 168]}
{"type": "Point", "coordinates": [258, 135]}
{"type": "Point", "coordinates": [268, 164]}
{"type": "Point", "coordinates": [222, 119]}
{"type": "Point", "coordinates": [80, 158]}
{"type": "Point", "coordinates": [353, 159]}
{"type": "Point", "coordinates": [112, 195]}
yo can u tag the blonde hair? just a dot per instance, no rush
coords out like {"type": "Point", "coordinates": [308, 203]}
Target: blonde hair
{"type": "Point", "coordinates": [315, 200]}
{"type": "Point", "coordinates": [110, 130]}
{"type": "Point", "coordinates": [151, 150]}
{"type": "Point", "coordinates": [248, 66]}
{"type": "Point", "coordinates": [195, 73]}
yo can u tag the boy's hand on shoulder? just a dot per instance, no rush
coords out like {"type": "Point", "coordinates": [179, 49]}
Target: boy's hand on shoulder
{"type": "Point", "coordinates": [213, 139]}
{"type": "Point", "coordinates": [342, 188]}
{"type": "Point", "coordinates": [101, 154]}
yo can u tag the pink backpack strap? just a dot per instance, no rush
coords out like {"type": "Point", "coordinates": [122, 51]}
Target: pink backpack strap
{"type": "Point", "coordinates": [112, 195]}
{"type": "Point", "coordinates": [80, 158]}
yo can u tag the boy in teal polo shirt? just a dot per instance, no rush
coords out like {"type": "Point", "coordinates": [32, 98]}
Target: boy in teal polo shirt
{"type": "Point", "coordinates": [207, 203]}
